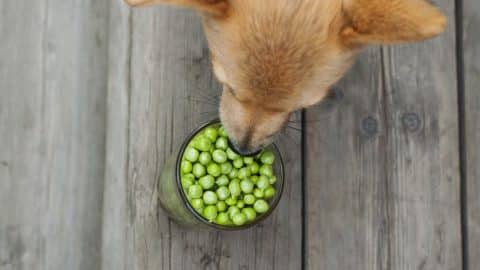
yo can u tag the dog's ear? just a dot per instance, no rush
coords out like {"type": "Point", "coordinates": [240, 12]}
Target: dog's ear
{"type": "Point", "coordinates": [390, 21]}
{"type": "Point", "coordinates": [214, 7]}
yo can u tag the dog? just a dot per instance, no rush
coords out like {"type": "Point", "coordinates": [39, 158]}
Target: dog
{"type": "Point", "coordinates": [274, 57]}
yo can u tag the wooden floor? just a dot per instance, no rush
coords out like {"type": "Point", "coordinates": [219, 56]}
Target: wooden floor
{"type": "Point", "coordinates": [384, 174]}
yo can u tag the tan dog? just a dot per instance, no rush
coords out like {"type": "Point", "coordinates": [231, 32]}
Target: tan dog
{"type": "Point", "coordinates": [277, 56]}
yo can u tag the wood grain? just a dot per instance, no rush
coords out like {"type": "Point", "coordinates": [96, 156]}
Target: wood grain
{"type": "Point", "coordinates": [161, 87]}
{"type": "Point", "coordinates": [52, 125]}
{"type": "Point", "coordinates": [471, 55]}
{"type": "Point", "coordinates": [383, 165]}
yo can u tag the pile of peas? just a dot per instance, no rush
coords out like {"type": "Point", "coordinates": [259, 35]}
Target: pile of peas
{"type": "Point", "coordinates": [222, 186]}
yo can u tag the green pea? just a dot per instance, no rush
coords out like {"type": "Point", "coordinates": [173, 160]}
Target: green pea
{"type": "Point", "coordinates": [258, 193]}
{"type": "Point", "coordinates": [267, 157]}
{"type": "Point", "coordinates": [248, 160]}
{"type": "Point", "coordinates": [249, 199]}
{"type": "Point", "coordinates": [222, 219]}
{"type": "Point", "coordinates": [205, 158]}
{"type": "Point", "coordinates": [261, 206]}
{"type": "Point", "coordinates": [187, 182]}
{"type": "Point", "coordinates": [254, 179]}
{"type": "Point", "coordinates": [222, 181]}
{"type": "Point", "coordinates": [269, 192]}
{"type": "Point", "coordinates": [249, 213]}
{"type": "Point", "coordinates": [273, 179]}
{"type": "Point", "coordinates": [240, 204]}
{"type": "Point", "coordinates": [254, 167]}
{"type": "Point", "coordinates": [233, 174]}
{"type": "Point", "coordinates": [239, 219]}
{"type": "Point", "coordinates": [231, 201]}
{"type": "Point", "coordinates": [221, 143]}
{"type": "Point", "coordinates": [203, 144]}
{"type": "Point", "coordinates": [214, 169]}
{"type": "Point", "coordinates": [219, 156]}
{"type": "Point", "coordinates": [210, 212]}
{"type": "Point", "coordinates": [234, 188]}
{"type": "Point", "coordinates": [243, 173]}
{"type": "Point", "coordinates": [226, 167]}
{"type": "Point", "coordinates": [263, 182]}
{"type": "Point", "coordinates": [207, 182]}
{"type": "Point", "coordinates": [231, 154]}
{"type": "Point", "coordinates": [191, 154]}
{"type": "Point", "coordinates": [186, 166]}
{"type": "Point", "coordinates": [188, 176]}
{"type": "Point", "coordinates": [238, 163]}
{"type": "Point", "coordinates": [210, 197]}
{"type": "Point", "coordinates": [197, 204]}
{"type": "Point", "coordinates": [198, 170]}
{"type": "Point", "coordinates": [222, 132]}
{"type": "Point", "coordinates": [246, 186]}
{"type": "Point", "coordinates": [221, 206]}
{"type": "Point", "coordinates": [223, 193]}
{"type": "Point", "coordinates": [266, 170]}
{"type": "Point", "coordinates": [211, 133]}
{"type": "Point", "coordinates": [232, 210]}
{"type": "Point", "coordinates": [195, 191]}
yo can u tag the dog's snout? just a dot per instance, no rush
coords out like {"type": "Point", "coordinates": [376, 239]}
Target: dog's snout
{"type": "Point", "coordinates": [243, 149]}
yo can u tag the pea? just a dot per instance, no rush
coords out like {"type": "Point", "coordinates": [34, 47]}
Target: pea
{"type": "Point", "coordinates": [211, 133]}
{"type": "Point", "coordinates": [243, 173]}
{"type": "Point", "coordinates": [222, 219]}
{"type": "Point", "coordinates": [221, 206]}
{"type": "Point", "coordinates": [269, 192]}
{"type": "Point", "coordinates": [210, 212]}
{"type": "Point", "coordinates": [198, 170]}
{"type": "Point", "coordinates": [234, 188]}
{"type": "Point", "coordinates": [186, 166]}
{"type": "Point", "coordinates": [226, 167]}
{"type": "Point", "coordinates": [223, 193]}
{"type": "Point", "coordinates": [261, 206]}
{"type": "Point", "coordinates": [267, 157]}
{"type": "Point", "coordinates": [187, 182]}
{"type": "Point", "coordinates": [240, 204]}
{"type": "Point", "coordinates": [266, 170]}
{"type": "Point", "coordinates": [248, 160]}
{"type": "Point", "coordinates": [246, 186]}
{"type": "Point", "coordinates": [249, 199]}
{"type": "Point", "coordinates": [258, 193]}
{"type": "Point", "coordinates": [263, 182]}
{"type": "Point", "coordinates": [207, 182]}
{"type": "Point", "coordinates": [214, 169]}
{"type": "Point", "coordinates": [221, 143]}
{"type": "Point", "coordinates": [249, 213]}
{"type": "Point", "coordinates": [219, 156]}
{"type": "Point", "coordinates": [205, 158]}
{"type": "Point", "coordinates": [210, 197]}
{"type": "Point", "coordinates": [231, 154]}
{"type": "Point", "coordinates": [195, 191]}
{"type": "Point", "coordinates": [222, 132]}
{"type": "Point", "coordinates": [239, 219]}
{"type": "Point", "coordinates": [231, 201]}
{"type": "Point", "coordinates": [191, 154]}
{"type": "Point", "coordinates": [197, 204]}
{"type": "Point", "coordinates": [254, 179]}
{"type": "Point", "coordinates": [188, 176]}
{"type": "Point", "coordinates": [238, 163]}
{"type": "Point", "coordinates": [273, 179]}
{"type": "Point", "coordinates": [233, 174]}
{"type": "Point", "coordinates": [232, 210]}
{"type": "Point", "coordinates": [203, 144]}
{"type": "Point", "coordinates": [254, 167]}
{"type": "Point", "coordinates": [222, 181]}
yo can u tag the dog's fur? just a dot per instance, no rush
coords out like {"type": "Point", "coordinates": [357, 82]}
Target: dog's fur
{"type": "Point", "coordinates": [277, 56]}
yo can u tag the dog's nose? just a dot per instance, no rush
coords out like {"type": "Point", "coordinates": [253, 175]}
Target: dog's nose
{"type": "Point", "coordinates": [243, 150]}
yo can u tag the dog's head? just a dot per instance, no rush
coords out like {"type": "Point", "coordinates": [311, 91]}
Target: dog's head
{"type": "Point", "coordinates": [276, 56]}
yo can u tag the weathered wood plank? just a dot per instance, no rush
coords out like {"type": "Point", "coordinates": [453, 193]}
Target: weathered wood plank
{"type": "Point", "coordinates": [168, 91]}
{"type": "Point", "coordinates": [53, 89]}
{"type": "Point", "coordinates": [471, 54]}
{"type": "Point", "coordinates": [382, 165]}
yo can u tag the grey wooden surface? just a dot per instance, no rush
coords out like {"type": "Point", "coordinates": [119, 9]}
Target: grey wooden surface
{"type": "Point", "coordinates": [95, 96]}
{"type": "Point", "coordinates": [471, 56]}
{"type": "Point", "coordinates": [53, 61]}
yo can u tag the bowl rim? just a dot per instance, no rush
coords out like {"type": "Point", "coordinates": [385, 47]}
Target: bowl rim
{"type": "Point", "coordinates": [185, 201]}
